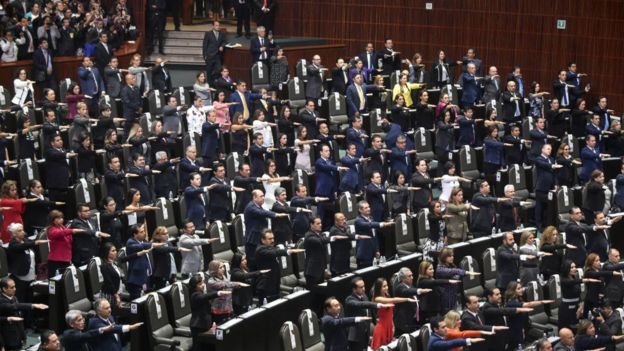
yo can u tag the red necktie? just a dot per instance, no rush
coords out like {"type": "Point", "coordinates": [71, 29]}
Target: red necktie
{"type": "Point", "coordinates": [266, 4]}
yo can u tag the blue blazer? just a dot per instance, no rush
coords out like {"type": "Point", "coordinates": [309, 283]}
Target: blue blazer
{"type": "Point", "coordinates": [436, 343]}
{"type": "Point", "coordinates": [326, 172]}
{"type": "Point", "coordinates": [546, 179]}
{"type": "Point", "coordinates": [594, 130]}
{"type": "Point", "coordinates": [467, 135]}
{"type": "Point", "coordinates": [392, 135]}
{"type": "Point", "coordinates": [185, 169]}
{"type": "Point", "coordinates": [195, 208]}
{"type": "Point", "coordinates": [256, 159]}
{"type": "Point", "coordinates": [255, 222]}
{"type": "Point", "coordinates": [353, 99]}
{"type": "Point", "coordinates": [365, 249]}
{"type": "Point", "coordinates": [335, 332]}
{"type": "Point", "coordinates": [351, 179]}
{"type": "Point", "coordinates": [105, 341]}
{"type": "Point", "coordinates": [493, 151]}
{"type": "Point", "coordinates": [355, 137]}
{"type": "Point", "coordinates": [470, 89]}
{"type": "Point", "coordinates": [538, 139]}
{"type": "Point", "coordinates": [138, 266]}
{"type": "Point", "coordinates": [399, 161]}
{"type": "Point", "coordinates": [376, 201]}
{"type": "Point", "coordinates": [249, 97]}
{"type": "Point", "coordinates": [91, 82]}
{"type": "Point", "coordinates": [591, 161]}
{"type": "Point", "coordinates": [210, 142]}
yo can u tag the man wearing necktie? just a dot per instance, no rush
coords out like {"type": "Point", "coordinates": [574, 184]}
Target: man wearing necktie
{"type": "Point", "coordinates": [103, 52]}
{"type": "Point", "coordinates": [213, 46]}
{"type": "Point", "coordinates": [107, 341]}
{"type": "Point", "coordinates": [546, 182]}
{"type": "Point", "coordinates": [91, 84]}
{"type": "Point", "coordinates": [241, 7]}
{"type": "Point", "coordinates": [265, 13]}
{"type": "Point", "coordinates": [516, 76]}
{"type": "Point", "coordinates": [139, 266]}
{"type": "Point", "coordinates": [356, 96]}
{"type": "Point", "coordinates": [86, 245]}
{"type": "Point", "coordinates": [242, 100]}
{"type": "Point", "coordinates": [43, 71]}
{"type": "Point", "coordinates": [12, 328]}
{"type": "Point", "coordinates": [261, 47]}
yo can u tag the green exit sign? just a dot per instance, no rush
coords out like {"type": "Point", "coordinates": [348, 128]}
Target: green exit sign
{"type": "Point", "coordinates": [561, 24]}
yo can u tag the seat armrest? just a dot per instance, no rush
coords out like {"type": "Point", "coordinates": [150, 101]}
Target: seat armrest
{"type": "Point", "coordinates": [164, 341]}
{"type": "Point", "coordinates": [182, 331]}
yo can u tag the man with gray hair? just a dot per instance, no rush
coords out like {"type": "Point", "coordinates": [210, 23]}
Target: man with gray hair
{"type": "Point", "coordinates": [109, 341]}
{"type": "Point", "coordinates": [165, 183]}
{"type": "Point", "coordinates": [510, 210]}
{"type": "Point", "coordinates": [367, 250]}
{"type": "Point", "coordinates": [74, 339]}
{"type": "Point", "coordinates": [405, 313]}
{"type": "Point", "coordinates": [261, 47]}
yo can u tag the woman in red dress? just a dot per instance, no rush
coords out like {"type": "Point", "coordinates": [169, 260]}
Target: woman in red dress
{"type": "Point", "coordinates": [384, 329]}
{"type": "Point", "coordinates": [12, 207]}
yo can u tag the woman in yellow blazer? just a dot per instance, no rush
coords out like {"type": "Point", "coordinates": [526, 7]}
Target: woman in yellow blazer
{"type": "Point", "coordinates": [404, 88]}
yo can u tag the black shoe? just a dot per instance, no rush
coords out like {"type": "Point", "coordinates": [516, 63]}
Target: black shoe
{"type": "Point", "coordinates": [177, 29]}
{"type": "Point", "coordinates": [248, 36]}
{"type": "Point", "coordinates": [239, 35]}
{"type": "Point", "coordinates": [161, 50]}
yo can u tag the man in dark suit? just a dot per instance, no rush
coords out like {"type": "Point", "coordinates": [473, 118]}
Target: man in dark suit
{"type": "Point", "coordinates": [220, 205]}
{"type": "Point", "coordinates": [608, 322]}
{"type": "Point", "coordinates": [471, 86]}
{"type": "Point", "coordinates": [114, 178]}
{"type": "Point", "coordinates": [422, 180]}
{"type": "Point", "coordinates": [243, 99]}
{"type": "Point", "coordinates": [91, 84]}
{"type": "Point", "coordinates": [467, 131]}
{"type": "Point", "coordinates": [340, 258]}
{"type": "Point", "coordinates": [546, 181]}
{"type": "Point", "coordinates": [483, 220]}
{"type": "Point", "coordinates": [356, 96]}
{"type": "Point", "coordinates": [438, 340]}
{"type": "Point", "coordinates": [340, 77]}
{"type": "Point", "coordinates": [473, 319]}
{"type": "Point", "coordinates": [103, 52]}
{"type": "Point", "coordinates": [405, 313]}
{"type": "Point", "coordinates": [132, 105]}
{"type": "Point", "coordinates": [495, 314]}
{"type": "Point", "coordinates": [225, 83]}
{"type": "Point", "coordinates": [326, 173]}
{"type": "Point", "coordinates": [256, 221]}
{"type": "Point", "coordinates": [86, 244]}
{"type": "Point", "coordinates": [604, 112]}
{"type": "Point", "coordinates": [266, 259]}
{"type": "Point", "coordinates": [12, 330]}
{"type": "Point", "coordinates": [107, 341]}
{"type": "Point", "coordinates": [161, 77]}
{"type": "Point", "coordinates": [212, 50]}
{"type": "Point", "coordinates": [56, 163]}
{"type": "Point", "coordinates": [491, 86]}
{"type": "Point", "coordinates": [43, 69]}
{"type": "Point", "coordinates": [309, 119]}
{"type": "Point", "coordinates": [165, 183]}
{"type": "Point", "coordinates": [243, 14]}
{"type": "Point", "coordinates": [614, 290]}
{"type": "Point", "coordinates": [139, 266]}
{"type": "Point", "coordinates": [514, 155]}
{"type": "Point", "coordinates": [36, 212]}
{"type": "Point", "coordinates": [113, 78]}
{"type": "Point", "coordinates": [516, 77]}
{"type": "Point", "coordinates": [391, 58]}
{"type": "Point", "coordinates": [25, 35]}
{"type": "Point", "coordinates": [576, 234]}
{"type": "Point", "coordinates": [316, 253]}
{"type": "Point", "coordinates": [564, 91]}
{"type": "Point", "coordinates": [211, 140]}
{"type": "Point", "coordinates": [66, 44]}
{"type": "Point", "coordinates": [314, 86]}
{"type": "Point", "coordinates": [367, 250]}
{"type": "Point", "coordinates": [507, 262]}
{"type": "Point", "coordinates": [358, 305]}
{"type": "Point", "coordinates": [376, 193]}
{"type": "Point", "coordinates": [351, 180]}
{"type": "Point", "coordinates": [261, 47]}
{"type": "Point", "coordinates": [156, 23]}
{"type": "Point", "coordinates": [138, 177]}
{"type": "Point", "coordinates": [302, 219]}
{"type": "Point", "coordinates": [335, 328]}
{"type": "Point", "coordinates": [265, 13]}
{"type": "Point", "coordinates": [400, 158]}
{"type": "Point", "coordinates": [512, 104]}
{"type": "Point", "coordinates": [378, 158]}
{"type": "Point", "coordinates": [189, 165]}
{"type": "Point", "coordinates": [370, 59]}
{"type": "Point", "coordinates": [244, 181]}
{"type": "Point", "coordinates": [74, 339]}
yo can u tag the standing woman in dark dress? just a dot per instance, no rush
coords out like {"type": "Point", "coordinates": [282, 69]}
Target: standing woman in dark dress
{"type": "Point", "coordinates": [26, 138]}
{"type": "Point", "coordinates": [441, 73]}
{"type": "Point", "coordinates": [137, 211]}
{"type": "Point", "coordinates": [445, 139]}
{"type": "Point", "coordinates": [571, 307]}
{"type": "Point", "coordinates": [580, 118]}
{"type": "Point", "coordinates": [425, 112]}
{"type": "Point", "coordinates": [556, 118]}
{"type": "Point", "coordinates": [550, 243]}
{"type": "Point", "coordinates": [239, 136]}
{"type": "Point", "coordinates": [285, 124]}
{"type": "Point", "coordinates": [596, 291]}
{"type": "Point", "coordinates": [430, 304]}
{"type": "Point", "coordinates": [437, 230]}
{"type": "Point", "coordinates": [402, 198]}
{"type": "Point", "coordinates": [111, 272]}
{"type": "Point", "coordinates": [566, 174]}
{"type": "Point", "coordinates": [201, 319]}
{"type": "Point", "coordinates": [399, 114]}
{"type": "Point", "coordinates": [110, 222]}
{"type": "Point", "coordinates": [86, 158]}
{"type": "Point", "coordinates": [513, 298]}
{"type": "Point", "coordinates": [241, 301]}
{"type": "Point", "coordinates": [284, 156]}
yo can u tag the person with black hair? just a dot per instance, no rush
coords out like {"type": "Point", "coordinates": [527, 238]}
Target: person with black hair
{"type": "Point", "coordinates": [37, 211]}
{"type": "Point", "coordinates": [496, 314]}
{"type": "Point", "coordinates": [586, 338]}
{"type": "Point", "coordinates": [267, 258]}
{"type": "Point", "coordinates": [438, 342]}
{"type": "Point", "coordinates": [239, 272]}
{"type": "Point", "coordinates": [86, 244]}
{"type": "Point", "coordinates": [111, 272]}
{"type": "Point", "coordinates": [12, 331]}
{"type": "Point", "coordinates": [49, 341]}
{"type": "Point", "coordinates": [570, 307]}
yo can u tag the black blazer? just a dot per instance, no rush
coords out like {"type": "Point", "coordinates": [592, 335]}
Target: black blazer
{"type": "Point", "coordinates": [141, 183]}
{"type": "Point", "coordinates": [219, 198]}
{"type": "Point", "coordinates": [113, 80]}
{"type": "Point", "coordinates": [430, 302]}
{"type": "Point", "coordinates": [102, 56]}
{"type": "Point", "coordinates": [315, 254]}
{"type": "Point", "coordinates": [404, 312]}
{"type": "Point", "coordinates": [201, 318]}
{"type": "Point", "coordinates": [211, 45]}
{"type": "Point", "coordinates": [115, 186]}
{"type": "Point", "coordinates": [267, 258]}
{"type": "Point", "coordinates": [159, 80]}
{"type": "Point", "coordinates": [162, 261]}
{"type": "Point", "coordinates": [165, 183]}
{"type": "Point", "coordinates": [36, 214]}
{"type": "Point", "coordinates": [340, 259]}
{"type": "Point", "coordinates": [56, 163]}
{"type": "Point", "coordinates": [76, 340]}
{"type": "Point", "coordinates": [565, 174]}
{"type": "Point", "coordinates": [470, 321]}
{"type": "Point", "coordinates": [340, 79]}
{"type": "Point", "coordinates": [18, 256]}
{"type": "Point", "coordinates": [282, 226]}
{"type": "Point", "coordinates": [84, 245]}
{"type": "Point", "coordinates": [12, 334]}
{"type": "Point", "coordinates": [513, 154]}
{"type": "Point", "coordinates": [357, 307]}
{"type": "Point", "coordinates": [422, 196]}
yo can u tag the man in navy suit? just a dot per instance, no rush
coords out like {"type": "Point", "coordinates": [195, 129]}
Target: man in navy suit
{"type": "Point", "coordinates": [352, 179]}
{"type": "Point", "coordinates": [43, 70]}
{"type": "Point", "coordinates": [189, 165]}
{"type": "Point", "coordinates": [91, 84]}
{"type": "Point", "coordinates": [438, 341]}
{"type": "Point", "coordinates": [367, 250]}
{"type": "Point", "coordinates": [211, 140]}
{"type": "Point", "coordinates": [220, 205]}
{"type": "Point", "coordinates": [376, 197]}
{"type": "Point", "coordinates": [470, 86]}
{"type": "Point", "coordinates": [512, 104]}
{"type": "Point", "coordinates": [326, 173]}
{"type": "Point", "coordinates": [242, 100]}
{"type": "Point", "coordinates": [357, 136]}
{"type": "Point", "coordinates": [132, 105]}
{"type": "Point", "coordinates": [309, 119]}
{"type": "Point", "coordinates": [261, 47]}
{"type": "Point", "coordinates": [356, 96]}
{"type": "Point", "coordinates": [370, 59]}
{"type": "Point", "coordinates": [467, 132]}
{"type": "Point", "coordinates": [256, 221]}
{"type": "Point", "coordinates": [213, 46]}
{"type": "Point", "coordinates": [334, 328]}
{"type": "Point", "coordinates": [400, 158]}
{"type": "Point", "coordinates": [139, 266]}
{"type": "Point", "coordinates": [590, 158]}
{"type": "Point", "coordinates": [107, 341]}
{"type": "Point", "coordinates": [546, 182]}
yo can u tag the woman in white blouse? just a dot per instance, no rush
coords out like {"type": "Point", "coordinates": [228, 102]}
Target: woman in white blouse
{"type": "Point", "coordinates": [302, 147]}
{"type": "Point", "coordinates": [9, 48]}
{"type": "Point", "coordinates": [196, 115]}
{"type": "Point", "coordinates": [202, 89]}
{"type": "Point", "coordinates": [449, 181]}
{"type": "Point", "coordinates": [24, 91]}
{"type": "Point", "coordinates": [271, 181]}
{"type": "Point", "coordinates": [263, 127]}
